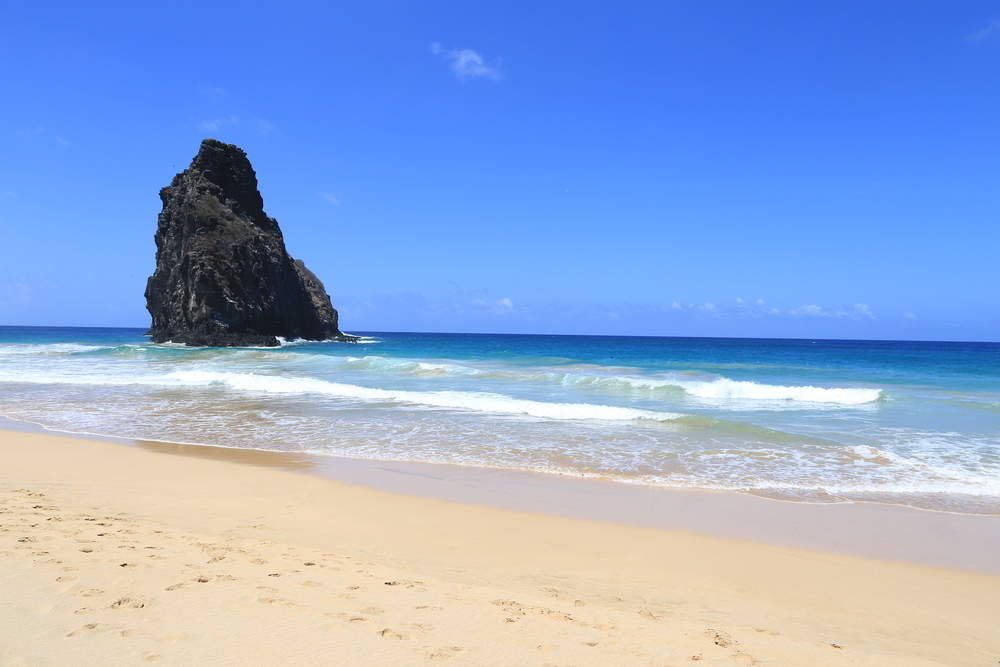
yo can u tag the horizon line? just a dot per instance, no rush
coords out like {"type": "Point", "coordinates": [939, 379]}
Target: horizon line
{"type": "Point", "coordinates": [577, 335]}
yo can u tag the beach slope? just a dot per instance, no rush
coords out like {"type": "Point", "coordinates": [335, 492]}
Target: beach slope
{"type": "Point", "coordinates": [120, 555]}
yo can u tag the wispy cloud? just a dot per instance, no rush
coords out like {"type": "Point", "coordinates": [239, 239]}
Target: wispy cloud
{"type": "Point", "coordinates": [216, 123]}
{"type": "Point", "coordinates": [39, 132]}
{"type": "Point", "coordinates": [704, 308]}
{"type": "Point", "coordinates": [910, 316]}
{"type": "Point", "coordinates": [262, 125]}
{"type": "Point", "coordinates": [758, 308]}
{"type": "Point", "coordinates": [859, 311]}
{"type": "Point", "coordinates": [498, 306]}
{"type": "Point", "coordinates": [467, 64]}
{"type": "Point", "coordinates": [989, 32]}
{"type": "Point", "coordinates": [331, 198]}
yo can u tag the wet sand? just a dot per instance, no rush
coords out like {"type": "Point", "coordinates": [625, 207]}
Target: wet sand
{"type": "Point", "coordinates": [121, 555]}
{"type": "Point", "coordinates": [940, 539]}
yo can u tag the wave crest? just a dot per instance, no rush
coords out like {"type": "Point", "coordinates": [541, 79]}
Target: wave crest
{"type": "Point", "coordinates": [716, 389]}
{"type": "Point", "coordinates": [454, 400]}
{"type": "Point", "coordinates": [47, 348]}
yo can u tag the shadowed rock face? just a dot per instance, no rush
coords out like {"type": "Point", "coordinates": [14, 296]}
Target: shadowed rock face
{"type": "Point", "coordinates": [223, 277]}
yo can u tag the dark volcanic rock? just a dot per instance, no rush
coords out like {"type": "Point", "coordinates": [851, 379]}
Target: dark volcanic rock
{"type": "Point", "coordinates": [223, 276]}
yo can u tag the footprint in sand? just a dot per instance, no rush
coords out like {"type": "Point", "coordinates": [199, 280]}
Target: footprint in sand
{"type": "Point", "coordinates": [128, 603]}
{"type": "Point", "coordinates": [281, 602]}
{"type": "Point", "coordinates": [720, 638]}
{"type": "Point", "coordinates": [444, 653]}
{"type": "Point", "coordinates": [653, 614]}
{"type": "Point", "coordinates": [389, 633]}
{"type": "Point", "coordinates": [516, 609]}
{"type": "Point", "coordinates": [87, 629]}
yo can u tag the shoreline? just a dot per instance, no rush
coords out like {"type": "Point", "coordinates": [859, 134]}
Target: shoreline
{"type": "Point", "coordinates": [854, 528]}
{"type": "Point", "coordinates": [121, 554]}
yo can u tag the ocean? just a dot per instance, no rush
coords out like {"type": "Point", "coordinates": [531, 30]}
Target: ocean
{"type": "Point", "coordinates": [910, 423]}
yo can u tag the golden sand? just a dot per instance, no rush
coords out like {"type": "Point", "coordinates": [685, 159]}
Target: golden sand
{"type": "Point", "coordinates": [119, 555]}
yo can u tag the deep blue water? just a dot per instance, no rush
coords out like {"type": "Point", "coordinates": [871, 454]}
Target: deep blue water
{"type": "Point", "coordinates": [893, 421]}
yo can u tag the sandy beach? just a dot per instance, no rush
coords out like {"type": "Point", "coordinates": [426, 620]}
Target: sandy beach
{"type": "Point", "coordinates": [120, 555]}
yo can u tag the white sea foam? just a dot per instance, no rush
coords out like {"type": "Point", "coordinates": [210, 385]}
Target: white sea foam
{"type": "Point", "coordinates": [460, 400]}
{"type": "Point", "coordinates": [284, 342]}
{"type": "Point", "coordinates": [719, 389]}
{"type": "Point", "coordinates": [272, 384]}
{"type": "Point", "coordinates": [45, 349]}
{"type": "Point", "coordinates": [724, 388]}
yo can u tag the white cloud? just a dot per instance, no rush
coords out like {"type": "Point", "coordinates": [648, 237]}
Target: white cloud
{"type": "Point", "coordinates": [42, 133]}
{"type": "Point", "coordinates": [499, 306]}
{"type": "Point", "coordinates": [706, 307]}
{"type": "Point", "coordinates": [216, 123]}
{"type": "Point", "coordinates": [330, 197]}
{"type": "Point", "coordinates": [467, 64]}
{"type": "Point", "coordinates": [989, 32]}
{"type": "Point", "coordinates": [909, 316]}
{"type": "Point", "coordinates": [758, 308]}
{"type": "Point", "coordinates": [859, 311]}
{"type": "Point", "coordinates": [262, 125]}
{"type": "Point", "coordinates": [809, 310]}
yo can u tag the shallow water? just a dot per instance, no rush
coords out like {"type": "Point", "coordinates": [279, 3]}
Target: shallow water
{"type": "Point", "coordinates": [900, 422]}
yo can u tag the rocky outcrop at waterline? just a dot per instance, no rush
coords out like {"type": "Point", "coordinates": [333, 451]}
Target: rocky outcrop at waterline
{"type": "Point", "coordinates": [223, 277]}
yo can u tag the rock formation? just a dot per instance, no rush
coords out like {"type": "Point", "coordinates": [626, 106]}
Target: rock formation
{"type": "Point", "coordinates": [223, 276]}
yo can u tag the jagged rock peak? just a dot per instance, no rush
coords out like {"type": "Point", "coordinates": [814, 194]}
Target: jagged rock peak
{"type": "Point", "coordinates": [223, 276]}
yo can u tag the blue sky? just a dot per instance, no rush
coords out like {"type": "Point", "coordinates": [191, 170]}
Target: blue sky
{"type": "Point", "coordinates": [671, 168]}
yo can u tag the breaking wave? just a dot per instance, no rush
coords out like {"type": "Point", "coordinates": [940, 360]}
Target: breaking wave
{"type": "Point", "coordinates": [271, 384]}
{"type": "Point", "coordinates": [51, 348]}
{"type": "Point", "coordinates": [716, 389]}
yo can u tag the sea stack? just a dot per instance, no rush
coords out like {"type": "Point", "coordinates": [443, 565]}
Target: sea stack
{"type": "Point", "coordinates": [223, 277]}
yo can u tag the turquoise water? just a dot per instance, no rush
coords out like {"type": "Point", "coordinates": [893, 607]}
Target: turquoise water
{"type": "Point", "coordinates": [914, 423]}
